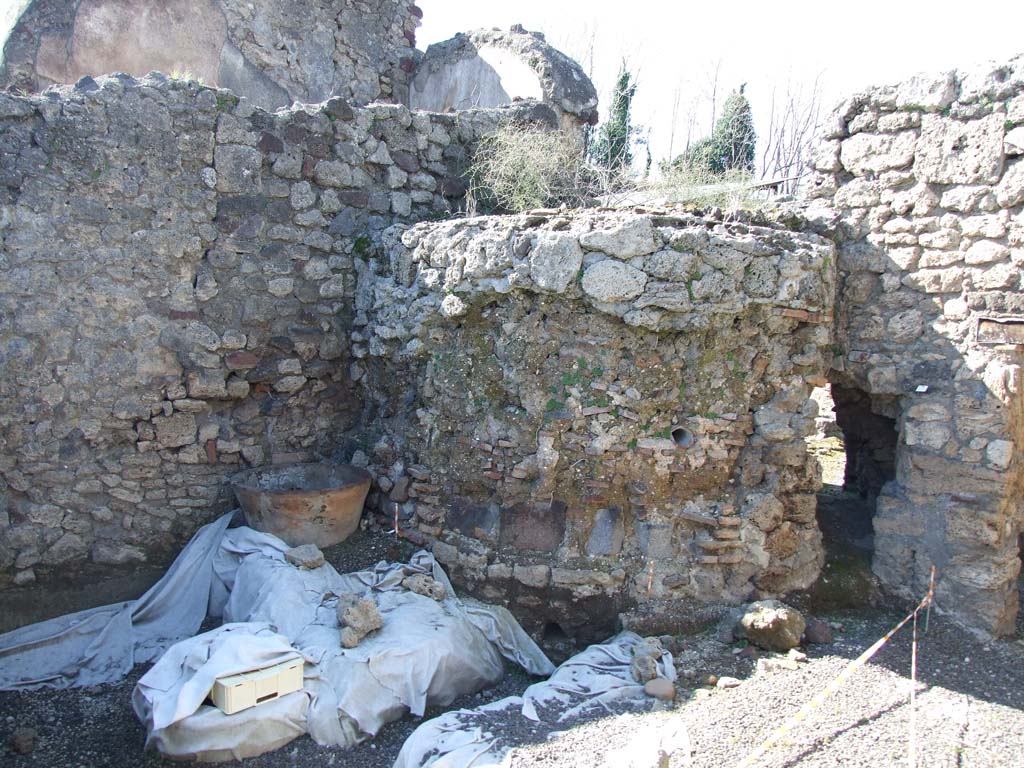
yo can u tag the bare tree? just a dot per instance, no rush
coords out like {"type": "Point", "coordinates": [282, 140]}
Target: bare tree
{"type": "Point", "coordinates": [580, 46]}
{"type": "Point", "coordinates": [711, 90]}
{"type": "Point", "coordinates": [793, 128]}
{"type": "Point", "coordinates": [676, 94]}
{"type": "Point", "coordinates": [692, 98]}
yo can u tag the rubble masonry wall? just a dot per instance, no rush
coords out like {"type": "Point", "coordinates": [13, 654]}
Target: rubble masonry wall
{"type": "Point", "coordinates": [584, 411]}
{"type": "Point", "coordinates": [177, 274]}
{"type": "Point", "coordinates": [927, 178]}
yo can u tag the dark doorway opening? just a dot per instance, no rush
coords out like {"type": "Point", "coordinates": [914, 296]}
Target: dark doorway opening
{"type": "Point", "coordinates": [856, 447]}
{"type": "Point", "coordinates": [1020, 587]}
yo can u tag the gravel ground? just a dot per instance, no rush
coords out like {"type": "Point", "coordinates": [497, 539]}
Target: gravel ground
{"type": "Point", "coordinates": [969, 708]}
{"type": "Point", "coordinates": [970, 705]}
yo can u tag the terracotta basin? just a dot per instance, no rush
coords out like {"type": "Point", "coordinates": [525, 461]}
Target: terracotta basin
{"type": "Point", "coordinates": [303, 503]}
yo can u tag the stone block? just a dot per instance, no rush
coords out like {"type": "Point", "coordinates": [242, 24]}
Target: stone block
{"type": "Point", "coordinates": [612, 281]}
{"type": "Point", "coordinates": [239, 169]}
{"type": "Point", "coordinates": [115, 553]}
{"type": "Point", "coordinates": [332, 173]}
{"type": "Point", "coordinates": [533, 527]}
{"type": "Point", "coordinates": [536, 576]}
{"type": "Point", "coordinates": [928, 434]}
{"type": "Point", "coordinates": [867, 153]}
{"type": "Point", "coordinates": [555, 260]}
{"type": "Point", "coordinates": [206, 385]}
{"type": "Point", "coordinates": [176, 430]}
{"type": "Point", "coordinates": [954, 152]}
{"type": "Point", "coordinates": [999, 453]}
{"type": "Point", "coordinates": [633, 237]}
{"type": "Point", "coordinates": [655, 540]}
{"type": "Point", "coordinates": [1013, 142]}
{"type": "Point", "coordinates": [290, 384]}
{"type": "Point", "coordinates": [929, 92]}
{"type": "Point", "coordinates": [445, 553]}
{"type": "Point", "coordinates": [1010, 191]}
{"type": "Point", "coordinates": [986, 252]}
{"type": "Point", "coordinates": [68, 547]}
{"type": "Point", "coordinates": [607, 533]}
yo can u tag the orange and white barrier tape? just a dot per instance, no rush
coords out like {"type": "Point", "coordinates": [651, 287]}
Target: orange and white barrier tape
{"type": "Point", "coordinates": [842, 677]}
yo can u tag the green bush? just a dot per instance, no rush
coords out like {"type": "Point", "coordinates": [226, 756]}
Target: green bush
{"type": "Point", "coordinates": [611, 148]}
{"type": "Point", "coordinates": [730, 147]}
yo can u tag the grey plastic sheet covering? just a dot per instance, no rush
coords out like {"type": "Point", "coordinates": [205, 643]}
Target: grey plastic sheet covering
{"type": "Point", "coordinates": [427, 653]}
{"type": "Point", "coordinates": [101, 645]}
{"type": "Point", "coordinates": [590, 683]}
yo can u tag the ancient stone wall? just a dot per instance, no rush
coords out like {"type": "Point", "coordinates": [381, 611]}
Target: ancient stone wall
{"type": "Point", "coordinates": [585, 411]}
{"type": "Point", "coordinates": [177, 274]}
{"type": "Point", "coordinates": [274, 52]}
{"type": "Point", "coordinates": [928, 181]}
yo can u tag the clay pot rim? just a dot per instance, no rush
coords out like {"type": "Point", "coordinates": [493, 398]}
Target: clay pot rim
{"type": "Point", "coordinates": [244, 480]}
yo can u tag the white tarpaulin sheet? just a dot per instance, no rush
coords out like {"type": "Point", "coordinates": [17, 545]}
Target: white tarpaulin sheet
{"type": "Point", "coordinates": [595, 680]}
{"type": "Point", "coordinates": [427, 653]}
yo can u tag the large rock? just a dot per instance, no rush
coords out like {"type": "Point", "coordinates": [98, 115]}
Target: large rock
{"type": "Point", "coordinates": [611, 281]}
{"type": "Point", "coordinates": [633, 237]}
{"type": "Point", "coordinates": [555, 260]}
{"type": "Point", "coordinates": [952, 152]}
{"type": "Point", "coordinates": [357, 618]}
{"type": "Point", "coordinates": [772, 625]}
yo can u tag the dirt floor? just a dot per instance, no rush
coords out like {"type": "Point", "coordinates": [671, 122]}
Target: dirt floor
{"type": "Point", "coordinates": [969, 709]}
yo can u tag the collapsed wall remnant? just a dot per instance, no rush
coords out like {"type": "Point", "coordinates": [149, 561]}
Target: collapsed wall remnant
{"type": "Point", "coordinates": [177, 276]}
{"type": "Point", "coordinates": [269, 51]}
{"type": "Point", "coordinates": [488, 68]}
{"type": "Point", "coordinates": [603, 408]}
{"type": "Point", "coordinates": [927, 178]}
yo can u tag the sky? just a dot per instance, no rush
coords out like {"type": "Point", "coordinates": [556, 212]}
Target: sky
{"type": "Point", "coordinates": [675, 48]}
